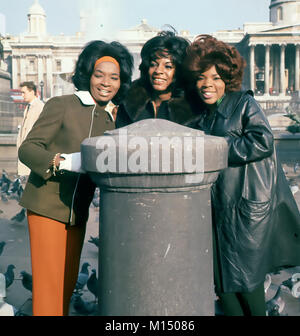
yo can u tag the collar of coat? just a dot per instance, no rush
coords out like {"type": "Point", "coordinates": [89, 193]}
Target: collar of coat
{"type": "Point", "coordinates": [87, 99]}
{"type": "Point", "coordinates": [138, 97]}
{"type": "Point", "coordinates": [230, 102]}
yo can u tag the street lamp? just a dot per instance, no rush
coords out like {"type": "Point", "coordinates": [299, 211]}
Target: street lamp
{"type": "Point", "coordinates": [42, 90]}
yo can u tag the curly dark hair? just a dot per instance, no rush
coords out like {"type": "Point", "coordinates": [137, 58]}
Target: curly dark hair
{"type": "Point", "coordinates": [89, 55]}
{"type": "Point", "coordinates": [166, 43]}
{"type": "Point", "coordinates": [205, 52]}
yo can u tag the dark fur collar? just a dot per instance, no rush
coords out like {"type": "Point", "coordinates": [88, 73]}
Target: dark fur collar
{"type": "Point", "coordinates": [138, 97]}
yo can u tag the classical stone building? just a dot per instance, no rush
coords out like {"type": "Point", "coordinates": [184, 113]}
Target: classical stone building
{"type": "Point", "coordinates": [41, 58]}
{"type": "Point", "coordinates": [272, 52]}
{"type": "Point", "coordinates": [50, 60]}
{"type": "Point", "coordinates": [271, 49]}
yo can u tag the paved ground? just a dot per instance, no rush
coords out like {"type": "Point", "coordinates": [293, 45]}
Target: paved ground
{"type": "Point", "coordinates": [16, 252]}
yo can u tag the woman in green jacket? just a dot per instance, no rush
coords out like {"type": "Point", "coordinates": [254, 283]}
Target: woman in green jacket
{"type": "Point", "coordinates": [58, 200]}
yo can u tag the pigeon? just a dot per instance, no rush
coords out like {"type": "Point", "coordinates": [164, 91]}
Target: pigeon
{"type": "Point", "coordinates": [294, 188]}
{"type": "Point", "coordinates": [275, 305]}
{"type": "Point", "coordinates": [1, 211]}
{"type": "Point", "coordinates": [5, 308]}
{"type": "Point", "coordinates": [16, 188]}
{"type": "Point", "coordinates": [293, 284]}
{"type": "Point", "coordinates": [9, 275]}
{"type": "Point", "coordinates": [2, 244]}
{"type": "Point", "coordinates": [15, 185]}
{"type": "Point", "coordinates": [95, 202]}
{"type": "Point", "coordinates": [4, 198]}
{"type": "Point", "coordinates": [82, 307]}
{"type": "Point", "coordinates": [19, 312]}
{"type": "Point", "coordinates": [267, 282]}
{"type": "Point", "coordinates": [27, 280]}
{"type": "Point", "coordinates": [288, 283]}
{"type": "Point", "coordinates": [82, 277]}
{"type": "Point", "coordinates": [19, 217]}
{"type": "Point", "coordinates": [92, 284]}
{"type": "Point", "coordinates": [96, 198]}
{"type": "Point", "coordinates": [94, 240]}
{"type": "Point", "coordinates": [20, 191]}
{"type": "Point", "coordinates": [5, 182]}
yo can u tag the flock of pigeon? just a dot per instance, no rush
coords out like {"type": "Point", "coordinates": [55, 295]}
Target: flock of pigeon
{"type": "Point", "coordinates": [12, 190]}
{"type": "Point", "coordinates": [275, 306]}
{"type": "Point", "coordinates": [86, 281]}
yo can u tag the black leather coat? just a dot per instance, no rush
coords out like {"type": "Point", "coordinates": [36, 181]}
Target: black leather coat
{"type": "Point", "coordinates": [255, 216]}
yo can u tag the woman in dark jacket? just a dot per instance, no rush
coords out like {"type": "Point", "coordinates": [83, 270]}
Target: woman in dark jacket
{"type": "Point", "coordinates": [256, 222]}
{"type": "Point", "coordinates": [158, 91]}
{"type": "Point", "coordinates": [58, 200]}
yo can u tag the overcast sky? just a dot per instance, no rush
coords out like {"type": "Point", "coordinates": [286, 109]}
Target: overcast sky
{"type": "Point", "coordinates": [197, 16]}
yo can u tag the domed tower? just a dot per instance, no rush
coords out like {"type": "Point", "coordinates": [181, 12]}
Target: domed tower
{"type": "Point", "coordinates": [285, 12]}
{"type": "Point", "coordinates": [36, 19]}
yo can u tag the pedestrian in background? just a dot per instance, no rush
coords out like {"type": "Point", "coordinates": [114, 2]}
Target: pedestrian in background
{"type": "Point", "coordinates": [256, 221]}
{"type": "Point", "coordinates": [31, 113]}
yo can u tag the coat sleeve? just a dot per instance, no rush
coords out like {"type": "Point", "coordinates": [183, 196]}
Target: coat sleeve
{"type": "Point", "coordinates": [34, 151]}
{"type": "Point", "coordinates": [123, 118]}
{"type": "Point", "coordinates": [255, 140]}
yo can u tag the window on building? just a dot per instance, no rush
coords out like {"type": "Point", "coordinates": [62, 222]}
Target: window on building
{"type": "Point", "coordinates": [279, 14]}
{"type": "Point", "coordinates": [31, 65]}
{"type": "Point", "coordinates": [58, 65]}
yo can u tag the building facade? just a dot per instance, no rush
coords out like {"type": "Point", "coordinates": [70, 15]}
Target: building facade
{"type": "Point", "coordinates": [46, 60]}
{"type": "Point", "coordinates": [272, 52]}
{"type": "Point", "coordinates": [271, 49]}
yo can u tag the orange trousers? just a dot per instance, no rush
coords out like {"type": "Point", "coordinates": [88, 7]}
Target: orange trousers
{"type": "Point", "coordinates": [55, 258]}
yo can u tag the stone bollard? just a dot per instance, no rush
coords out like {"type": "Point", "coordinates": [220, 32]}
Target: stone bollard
{"type": "Point", "coordinates": [155, 254]}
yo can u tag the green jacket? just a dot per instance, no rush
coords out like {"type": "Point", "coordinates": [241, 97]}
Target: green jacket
{"type": "Point", "coordinates": [63, 124]}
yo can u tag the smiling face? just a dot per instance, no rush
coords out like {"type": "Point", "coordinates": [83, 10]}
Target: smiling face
{"type": "Point", "coordinates": [105, 82]}
{"type": "Point", "coordinates": [161, 74]}
{"type": "Point", "coordinates": [210, 86]}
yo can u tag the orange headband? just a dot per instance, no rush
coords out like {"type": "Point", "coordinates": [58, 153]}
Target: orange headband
{"type": "Point", "coordinates": [107, 59]}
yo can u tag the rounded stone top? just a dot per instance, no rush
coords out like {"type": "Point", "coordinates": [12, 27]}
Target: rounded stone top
{"type": "Point", "coordinates": [36, 9]}
{"type": "Point", "coordinates": [284, 12]}
{"type": "Point", "coordinates": [156, 127]}
{"type": "Point", "coordinates": [278, 2]}
{"type": "Point", "coordinates": [272, 1]}
{"type": "Point", "coordinates": [156, 153]}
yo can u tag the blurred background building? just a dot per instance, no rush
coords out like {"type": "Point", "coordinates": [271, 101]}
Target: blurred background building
{"type": "Point", "coordinates": [271, 49]}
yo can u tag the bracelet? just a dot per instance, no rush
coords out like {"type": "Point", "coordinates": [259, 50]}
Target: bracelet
{"type": "Point", "coordinates": [54, 167]}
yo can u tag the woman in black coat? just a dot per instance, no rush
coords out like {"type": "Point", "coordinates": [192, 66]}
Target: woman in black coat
{"type": "Point", "coordinates": [256, 222]}
{"type": "Point", "coordinates": [158, 92]}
